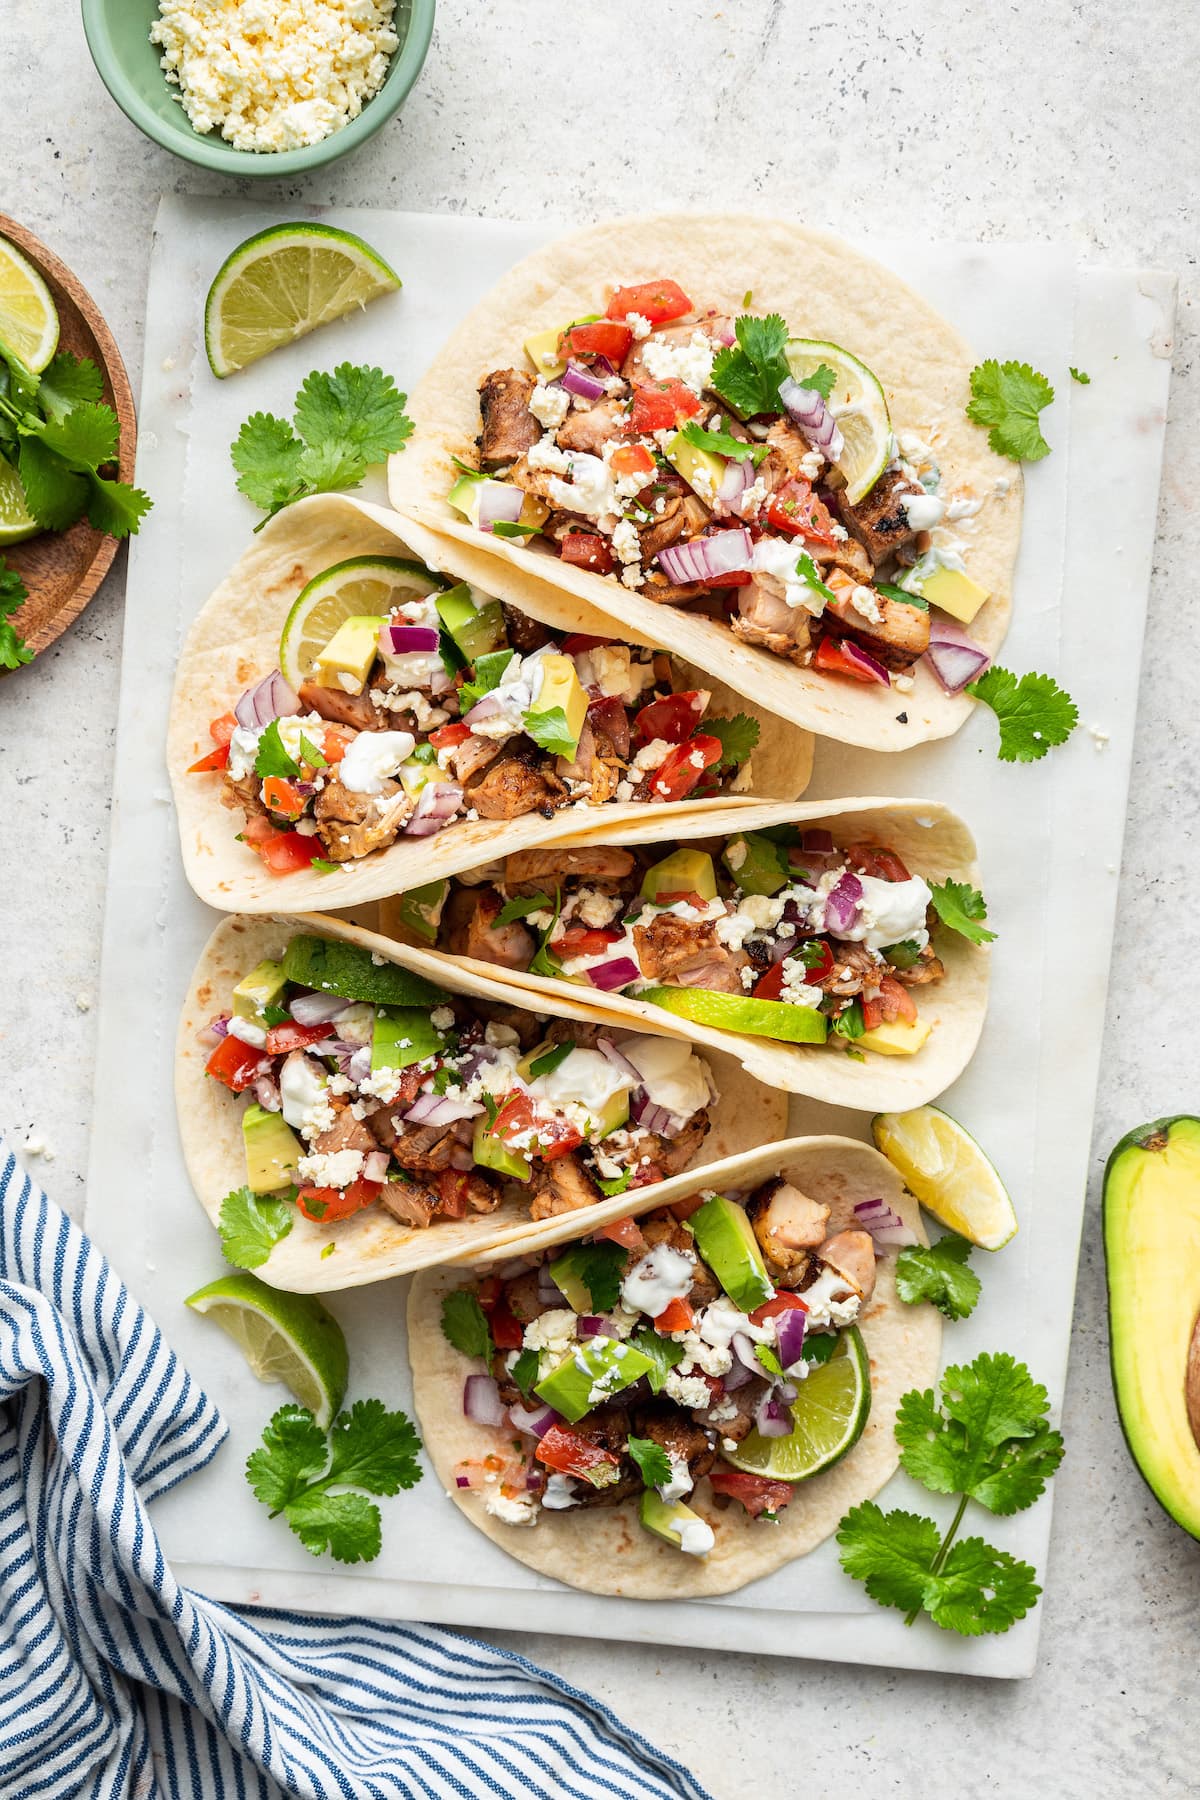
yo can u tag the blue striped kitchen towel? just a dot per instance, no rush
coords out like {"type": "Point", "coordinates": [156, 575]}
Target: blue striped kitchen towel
{"type": "Point", "coordinates": [116, 1681]}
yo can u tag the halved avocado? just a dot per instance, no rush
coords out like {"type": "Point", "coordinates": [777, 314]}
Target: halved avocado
{"type": "Point", "coordinates": [1152, 1251]}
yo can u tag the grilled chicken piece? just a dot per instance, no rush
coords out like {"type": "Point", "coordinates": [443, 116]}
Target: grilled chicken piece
{"type": "Point", "coordinates": [346, 1133]}
{"type": "Point", "coordinates": [358, 711]}
{"type": "Point", "coordinates": [851, 1254]}
{"type": "Point", "coordinates": [929, 968]}
{"type": "Point", "coordinates": [663, 1228]}
{"type": "Point", "coordinates": [528, 871]}
{"type": "Point", "coordinates": [575, 1031]}
{"type": "Point", "coordinates": [510, 788]}
{"type": "Point", "coordinates": [745, 1401]}
{"type": "Point", "coordinates": [855, 968]}
{"type": "Point", "coordinates": [351, 825]}
{"type": "Point", "coordinates": [245, 792]}
{"type": "Point", "coordinates": [471, 757]}
{"type": "Point", "coordinates": [526, 1024]}
{"type": "Point", "coordinates": [608, 1426]}
{"type": "Point", "coordinates": [408, 1202]}
{"type": "Point", "coordinates": [589, 429]}
{"type": "Point", "coordinates": [787, 1224]}
{"type": "Point", "coordinates": [596, 762]}
{"type": "Point", "coordinates": [523, 1297]}
{"type": "Point", "coordinates": [879, 521]}
{"type": "Point", "coordinates": [482, 1193]}
{"type": "Point", "coordinates": [509, 428]}
{"type": "Point", "coordinates": [469, 929]}
{"type": "Point", "coordinates": [791, 446]}
{"type": "Point", "coordinates": [847, 555]}
{"type": "Point", "coordinates": [659, 1158]}
{"type": "Point", "coordinates": [668, 527]}
{"type": "Point", "coordinates": [425, 1149]}
{"type": "Point", "coordinates": [675, 593]}
{"type": "Point", "coordinates": [764, 618]}
{"type": "Point", "coordinates": [686, 953]}
{"type": "Point", "coordinates": [524, 633]}
{"type": "Point", "coordinates": [680, 1437]}
{"type": "Point", "coordinates": [896, 638]}
{"type": "Point", "coordinates": [561, 1186]}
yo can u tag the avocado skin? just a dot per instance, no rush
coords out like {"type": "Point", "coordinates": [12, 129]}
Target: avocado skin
{"type": "Point", "coordinates": [1176, 1488]}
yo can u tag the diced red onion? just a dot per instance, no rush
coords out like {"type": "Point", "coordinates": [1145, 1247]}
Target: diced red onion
{"type": "Point", "coordinates": [437, 805]}
{"type": "Point", "coordinates": [461, 1481]}
{"type": "Point", "coordinates": [375, 1165]}
{"type": "Point", "coordinates": [708, 558]}
{"type": "Point", "coordinates": [817, 843]}
{"type": "Point", "coordinates": [607, 1048]}
{"type": "Point", "coordinates": [655, 1119]}
{"type": "Point", "coordinates": [738, 476]}
{"type": "Point", "coordinates": [549, 1292]}
{"type": "Point", "coordinates": [773, 1418]}
{"type": "Point", "coordinates": [736, 1377]}
{"type": "Point", "coordinates": [534, 1421]}
{"type": "Point", "coordinates": [534, 1479]}
{"type": "Point", "coordinates": [266, 1092]}
{"type": "Point", "coordinates": [270, 698]}
{"type": "Point", "coordinates": [617, 972]}
{"type": "Point", "coordinates": [316, 1009]}
{"type": "Point", "coordinates": [499, 501]}
{"type": "Point", "coordinates": [842, 904]}
{"type": "Point", "coordinates": [578, 380]}
{"type": "Point", "coordinates": [743, 1349]}
{"type": "Point", "coordinates": [954, 656]}
{"type": "Point", "coordinates": [220, 1025]}
{"type": "Point", "coordinates": [884, 1223]}
{"type": "Point", "coordinates": [783, 950]}
{"type": "Point", "coordinates": [405, 640]}
{"type": "Point", "coordinates": [789, 1335]}
{"type": "Point", "coordinates": [724, 334]}
{"type": "Point", "coordinates": [591, 1325]}
{"type": "Point", "coordinates": [441, 1109]}
{"type": "Point", "coordinates": [808, 411]}
{"type": "Point", "coordinates": [359, 1065]}
{"type": "Point", "coordinates": [479, 1058]}
{"type": "Point", "coordinates": [487, 708]}
{"type": "Point", "coordinates": [869, 665]}
{"type": "Point", "coordinates": [481, 1401]}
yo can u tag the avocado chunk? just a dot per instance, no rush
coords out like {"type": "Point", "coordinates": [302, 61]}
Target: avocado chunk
{"type": "Point", "coordinates": [272, 1150]}
{"type": "Point", "coordinates": [476, 628]}
{"type": "Point", "coordinates": [736, 1012]}
{"type": "Point", "coordinates": [467, 494]}
{"type": "Point", "coordinates": [542, 350]}
{"type": "Point", "coordinates": [1152, 1252]}
{"type": "Point", "coordinates": [725, 1239]}
{"type": "Point", "coordinates": [599, 1368]}
{"type": "Point", "coordinates": [951, 590]}
{"type": "Point", "coordinates": [895, 1037]}
{"type": "Point", "coordinates": [683, 872]}
{"type": "Point", "coordinates": [403, 1035]}
{"type": "Point", "coordinates": [264, 986]}
{"type": "Point", "coordinates": [676, 1523]}
{"type": "Point", "coordinates": [755, 863]}
{"type": "Point", "coordinates": [701, 469]}
{"type": "Point", "coordinates": [346, 660]}
{"type": "Point", "coordinates": [604, 1262]}
{"type": "Point", "coordinates": [561, 690]}
{"type": "Point", "coordinates": [420, 909]}
{"type": "Point", "coordinates": [346, 969]}
{"type": "Point", "coordinates": [491, 1152]}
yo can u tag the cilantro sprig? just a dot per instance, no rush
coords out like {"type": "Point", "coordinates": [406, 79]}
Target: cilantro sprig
{"type": "Point", "coordinates": [723, 443]}
{"type": "Point", "coordinates": [343, 422]}
{"type": "Point", "coordinates": [748, 375]}
{"type": "Point", "coordinates": [13, 594]}
{"type": "Point", "coordinates": [1008, 397]}
{"type": "Point", "coordinates": [252, 1224]}
{"type": "Point", "coordinates": [988, 1440]}
{"type": "Point", "coordinates": [652, 1460]}
{"type": "Point", "coordinates": [1033, 711]}
{"type": "Point", "coordinates": [939, 1273]}
{"type": "Point", "coordinates": [962, 908]}
{"type": "Point", "coordinates": [464, 1325]}
{"type": "Point", "coordinates": [520, 906]}
{"type": "Point", "coordinates": [58, 433]}
{"type": "Point", "coordinates": [737, 736]}
{"type": "Point", "coordinates": [319, 1480]}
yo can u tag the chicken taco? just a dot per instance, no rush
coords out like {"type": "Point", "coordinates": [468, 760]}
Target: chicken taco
{"type": "Point", "coordinates": [741, 436]}
{"type": "Point", "coordinates": [683, 1400]}
{"type": "Point", "coordinates": [398, 1112]}
{"type": "Point", "coordinates": [345, 721]}
{"type": "Point", "coordinates": [839, 952]}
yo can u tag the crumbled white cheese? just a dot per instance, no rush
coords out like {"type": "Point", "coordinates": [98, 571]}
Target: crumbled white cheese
{"type": "Point", "coordinates": [590, 491]}
{"type": "Point", "coordinates": [796, 990]}
{"type": "Point", "coordinates": [687, 1390]}
{"type": "Point", "coordinates": [248, 1032]}
{"type": "Point", "coordinates": [333, 1168]}
{"type": "Point", "coordinates": [640, 327]}
{"type": "Point", "coordinates": [442, 1018]}
{"type": "Point", "coordinates": [690, 363]}
{"type": "Point", "coordinates": [515, 1511]}
{"type": "Point", "coordinates": [549, 405]}
{"type": "Point", "coordinates": [626, 542]}
{"type": "Point", "coordinates": [552, 1331]}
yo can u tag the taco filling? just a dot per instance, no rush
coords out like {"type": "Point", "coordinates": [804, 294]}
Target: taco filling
{"type": "Point", "coordinates": [781, 935]}
{"type": "Point", "coordinates": [453, 706]}
{"type": "Point", "coordinates": [722, 465]}
{"type": "Point", "coordinates": [706, 1348]}
{"type": "Point", "coordinates": [365, 1085]}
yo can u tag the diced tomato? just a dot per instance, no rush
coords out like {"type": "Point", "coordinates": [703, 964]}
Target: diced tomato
{"type": "Point", "coordinates": [335, 741]}
{"type": "Point", "coordinates": [450, 1186]}
{"type": "Point", "coordinates": [290, 1036]}
{"type": "Point", "coordinates": [507, 1331]}
{"type": "Point", "coordinates": [660, 405]}
{"type": "Point", "coordinates": [871, 859]}
{"type": "Point", "coordinates": [757, 1493]}
{"type": "Point", "coordinates": [895, 1002]}
{"type": "Point", "coordinates": [556, 1137]}
{"type": "Point", "coordinates": [222, 729]}
{"type": "Point", "coordinates": [795, 510]}
{"type": "Point", "coordinates": [490, 1472]}
{"type": "Point", "coordinates": [817, 971]}
{"type": "Point", "coordinates": [770, 985]}
{"type": "Point", "coordinates": [626, 1232]}
{"type": "Point", "coordinates": [678, 1316]}
{"type": "Point", "coordinates": [585, 940]}
{"type": "Point", "coordinates": [576, 642]}
{"type": "Point", "coordinates": [282, 797]}
{"type": "Point", "coordinates": [235, 1064]}
{"type": "Point", "coordinates": [325, 1205]}
{"type": "Point", "coordinates": [216, 759]}
{"type": "Point", "coordinates": [446, 736]}
{"type": "Point", "coordinates": [681, 771]}
{"type": "Point", "coordinates": [488, 1291]}
{"type": "Point", "coordinates": [673, 718]}
{"type": "Point", "coordinates": [832, 660]}
{"type": "Point", "coordinates": [872, 1013]}
{"type": "Point", "coordinates": [572, 1454]}
{"type": "Point", "coordinates": [657, 301]}
{"type": "Point", "coordinates": [514, 1117]}
{"type": "Point", "coordinates": [586, 550]}
{"type": "Point", "coordinates": [783, 1301]}
{"type": "Point", "coordinates": [282, 851]}
{"type": "Point", "coordinates": [604, 338]}
{"type": "Point", "coordinates": [683, 1209]}
{"type": "Point", "coordinates": [632, 459]}
{"type": "Point", "coordinates": [607, 714]}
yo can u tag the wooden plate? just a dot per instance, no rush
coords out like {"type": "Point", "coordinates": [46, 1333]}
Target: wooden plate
{"type": "Point", "coordinates": [62, 570]}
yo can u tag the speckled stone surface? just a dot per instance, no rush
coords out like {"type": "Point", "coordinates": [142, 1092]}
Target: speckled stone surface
{"type": "Point", "coordinates": [1032, 119]}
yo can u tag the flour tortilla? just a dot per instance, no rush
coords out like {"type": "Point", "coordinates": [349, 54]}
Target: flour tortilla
{"type": "Point", "coordinates": [371, 1245]}
{"type": "Point", "coordinates": [824, 290]}
{"type": "Point", "coordinates": [234, 641]}
{"type": "Point", "coordinates": [933, 841]}
{"type": "Point", "coordinates": [606, 1550]}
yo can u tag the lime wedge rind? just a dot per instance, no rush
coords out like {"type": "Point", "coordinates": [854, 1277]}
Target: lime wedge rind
{"type": "Point", "coordinates": [361, 584]}
{"type": "Point", "coordinates": [290, 1338]}
{"type": "Point", "coordinates": [949, 1173]}
{"type": "Point", "coordinates": [858, 403]}
{"type": "Point", "coordinates": [830, 1411]}
{"type": "Point", "coordinates": [28, 315]}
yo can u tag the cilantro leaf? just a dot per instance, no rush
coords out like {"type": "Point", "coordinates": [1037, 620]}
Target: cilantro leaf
{"type": "Point", "coordinates": [266, 454]}
{"type": "Point", "coordinates": [940, 1275]}
{"type": "Point", "coordinates": [323, 467]}
{"type": "Point", "coordinates": [904, 955]}
{"type": "Point", "coordinates": [722, 443]}
{"type": "Point", "coordinates": [357, 407]}
{"type": "Point", "coordinates": [892, 1554]}
{"type": "Point", "coordinates": [1079, 376]}
{"type": "Point", "coordinates": [849, 1023]}
{"type": "Point", "coordinates": [373, 1448]}
{"type": "Point", "coordinates": [971, 1589]}
{"type": "Point", "coordinates": [293, 1453]}
{"type": "Point", "coordinates": [520, 907]}
{"type": "Point", "coordinates": [13, 595]}
{"type": "Point", "coordinates": [769, 1360]}
{"type": "Point", "coordinates": [488, 671]}
{"type": "Point", "coordinates": [822, 379]}
{"type": "Point", "coordinates": [1008, 397]}
{"type": "Point", "coordinates": [981, 1590]}
{"type": "Point", "coordinates": [546, 1065]}
{"type": "Point", "coordinates": [252, 1224]}
{"type": "Point", "coordinates": [652, 1460]}
{"type": "Point", "coordinates": [525, 1371]}
{"type": "Point", "coordinates": [818, 1346]}
{"type": "Point", "coordinates": [67, 381]}
{"type": "Point", "coordinates": [310, 754]}
{"type": "Point", "coordinates": [85, 436]}
{"type": "Point", "coordinates": [550, 731]}
{"type": "Point", "coordinates": [617, 1185]}
{"type": "Point", "coordinates": [891, 592]}
{"type": "Point", "coordinates": [1034, 712]}
{"type": "Point", "coordinates": [737, 737]}
{"type": "Point", "coordinates": [663, 1354]}
{"type": "Point", "coordinates": [464, 1325]}
{"type": "Point", "coordinates": [271, 758]}
{"type": "Point", "coordinates": [544, 961]}
{"type": "Point", "coordinates": [323, 867]}
{"type": "Point", "coordinates": [347, 1525]}
{"type": "Point", "coordinates": [509, 528]}
{"type": "Point", "coordinates": [600, 1268]}
{"type": "Point", "coordinates": [961, 908]}
{"type": "Point", "coordinates": [115, 507]}
{"type": "Point", "coordinates": [749, 375]}
{"type": "Point", "coordinates": [55, 494]}
{"type": "Point", "coordinates": [988, 1438]}
{"type": "Point", "coordinates": [298, 1465]}
{"type": "Point", "coordinates": [806, 568]}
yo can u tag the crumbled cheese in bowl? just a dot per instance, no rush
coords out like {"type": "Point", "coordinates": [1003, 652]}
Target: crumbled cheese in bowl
{"type": "Point", "coordinates": [274, 74]}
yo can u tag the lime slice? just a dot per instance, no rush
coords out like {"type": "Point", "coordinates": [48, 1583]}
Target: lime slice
{"type": "Point", "coordinates": [949, 1174]}
{"type": "Point", "coordinates": [729, 1012]}
{"type": "Point", "coordinates": [28, 318]}
{"type": "Point", "coordinates": [364, 584]}
{"type": "Point", "coordinates": [829, 1412]}
{"type": "Point", "coordinates": [857, 403]}
{"type": "Point", "coordinates": [16, 520]}
{"type": "Point", "coordinates": [281, 284]}
{"type": "Point", "coordinates": [284, 1337]}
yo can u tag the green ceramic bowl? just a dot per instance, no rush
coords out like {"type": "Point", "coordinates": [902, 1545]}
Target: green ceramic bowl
{"type": "Point", "coordinates": [118, 35]}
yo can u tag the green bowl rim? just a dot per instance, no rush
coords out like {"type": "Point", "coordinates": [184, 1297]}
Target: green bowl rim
{"type": "Point", "coordinates": [215, 153]}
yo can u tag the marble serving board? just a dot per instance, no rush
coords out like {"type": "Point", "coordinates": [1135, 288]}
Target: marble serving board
{"type": "Point", "coordinates": [1050, 842]}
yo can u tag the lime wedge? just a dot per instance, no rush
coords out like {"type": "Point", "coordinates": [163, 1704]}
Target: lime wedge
{"type": "Point", "coordinates": [829, 1412]}
{"type": "Point", "coordinates": [364, 584]}
{"type": "Point", "coordinates": [857, 403]}
{"type": "Point", "coordinates": [730, 1012]}
{"type": "Point", "coordinates": [28, 317]}
{"type": "Point", "coordinates": [281, 284]}
{"type": "Point", "coordinates": [949, 1174]}
{"type": "Point", "coordinates": [284, 1337]}
{"type": "Point", "coordinates": [16, 520]}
